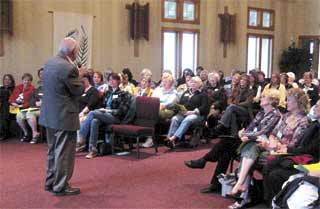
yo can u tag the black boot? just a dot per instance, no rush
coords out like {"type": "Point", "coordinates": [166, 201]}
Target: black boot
{"type": "Point", "coordinates": [200, 163]}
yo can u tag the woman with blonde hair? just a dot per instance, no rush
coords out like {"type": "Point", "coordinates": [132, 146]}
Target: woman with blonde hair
{"type": "Point", "coordinates": [196, 108]}
{"type": "Point", "coordinates": [261, 126]}
{"type": "Point", "coordinates": [286, 134]}
{"type": "Point", "coordinates": [275, 84]}
{"type": "Point", "coordinates": [168, 98]}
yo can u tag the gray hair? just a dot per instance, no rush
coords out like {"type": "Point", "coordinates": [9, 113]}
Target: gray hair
{"type": "Point", "coordinates": [67, 46]}
{"type": "Point", "coordinates": [146, 72]}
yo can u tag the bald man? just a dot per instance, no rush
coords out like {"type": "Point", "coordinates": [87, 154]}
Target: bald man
{"type": "Point", "coordinates": [59, 114]}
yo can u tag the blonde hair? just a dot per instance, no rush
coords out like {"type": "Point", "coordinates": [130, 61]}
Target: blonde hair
{"type": "Point", "coordinates": [273, 96]}
{"type": "Point", "coordinates": [146, 73]}
{"type": "Point", "coordinates": [168, 77]}
{"type": "Point", "coordinates": [214, 75]}
{"type": "Point", "coordinates": [198, 80]}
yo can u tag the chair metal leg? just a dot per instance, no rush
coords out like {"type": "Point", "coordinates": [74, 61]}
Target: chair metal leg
{"type": "Point", "coordinates": [155, 143]}
{"type": "Point", "coordinates": [138, 148]}
{"type": "Point", "coordinates": [112, 143]}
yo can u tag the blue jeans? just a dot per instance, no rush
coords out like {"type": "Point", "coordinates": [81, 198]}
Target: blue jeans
{"type": "Point", "coordinates": [91, 125]}
{"type": "Point", "coordinates": [180, 124]}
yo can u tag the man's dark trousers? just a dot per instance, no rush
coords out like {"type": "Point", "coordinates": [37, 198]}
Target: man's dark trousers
{"type": "Point", "coordinates": [61, 157]}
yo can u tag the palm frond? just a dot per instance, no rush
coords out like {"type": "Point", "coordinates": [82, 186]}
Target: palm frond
{"type": "Point", "coordinates": [82, 57]}
{"type": "Point", "coordinates": [73, 33]}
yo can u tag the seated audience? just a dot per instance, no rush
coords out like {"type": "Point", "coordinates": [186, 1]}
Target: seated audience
{"type": "Point", "coordinates": [167, 95]}
{"type": "Point", "coordinates": [116, 105]}
{"type": "Point", "coordinates": [194, 108]}
{"type": "Point", "coordinates": [284, 81]}
{"type": "Point", "coordinates": [199, 69]}
{"type": "Point", "coordinates": [204, 76]}
{"type": "Point", "coordinates": [291, 80]}
{"type": "Point", "coordinates": [309, 88]}
{"type": "Point", "coordinates": [40, 81]}
{"type": "Point", "coordinates": [35, 101]}
{"type": "Point", "coordinates": [128, 74]}
{"type": "Point", "coordinates": [261, 79]}
{"type": "Point", "coordinates": [183, 87]}
{"type": "Point", "coordinates": [106, 75]}
{"type": "Point", "coordinates": [225, 149]}
{"type": "Point", "coordinates": [146, 73]}
{"type": "Point", "coordinates": [275, 84]}
{"type": "Point", "coordinates": [309, 144]}
{"type": "Point", "coordinates": [144, 87]}
{"type": "Point", "coordinates": [221, 75]}
{"type": "Point", "coordinates": [5, 91]}
{"type": "Point", "coordinates": [285, 135]}
{"type": "Point", "coordinates": [20, 98]}
{"type": "Point", "coordinates": [182, 80]}
{"type": "Point", "coordinates": [239, 111]}
{"type": "Point", "coordinates": [257, 90]}
{"type": "Point", "coordinates": [98, 82]}
{"type": "Point", "coordinates": [234, 84]}
{"type": "Point", "coordinates": [216, 97]}
{"type": "Point", "coordinates": [126, 85]}
{"type": "Point", "coordinates": [228, 79]}
{"type": "Point", "coordinates": [90, 99]}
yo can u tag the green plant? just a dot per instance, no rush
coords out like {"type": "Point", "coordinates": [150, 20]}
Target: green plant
{"type": "Point", "coordinates": [296, 60]}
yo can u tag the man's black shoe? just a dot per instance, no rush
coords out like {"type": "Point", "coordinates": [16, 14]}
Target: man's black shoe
{"type": "Point", "coordinates": [67, 191]}
{"type": "Point", "coordinates": [201, 163]}
{"type": "Point", "coordinates": [211, 189]}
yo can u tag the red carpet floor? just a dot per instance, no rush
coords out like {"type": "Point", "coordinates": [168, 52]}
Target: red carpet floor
{"type": "Point", "coordinates": [155, 181]}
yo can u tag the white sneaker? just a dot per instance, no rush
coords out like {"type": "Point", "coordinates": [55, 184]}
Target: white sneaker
{"type": "Point", "coordinates": [148, 143]}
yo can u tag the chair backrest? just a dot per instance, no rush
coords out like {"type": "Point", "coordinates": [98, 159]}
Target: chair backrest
{"type": "Point", "coordinates": [131, 113]}
{"type": "Point", "coordinates": [147, 111]}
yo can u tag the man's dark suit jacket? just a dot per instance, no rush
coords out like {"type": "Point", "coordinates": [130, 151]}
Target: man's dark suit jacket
{"type": "Point", "coordinates": [61, 90]}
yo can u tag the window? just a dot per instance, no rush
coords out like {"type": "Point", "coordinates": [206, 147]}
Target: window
{"type": "Point", "coordinates": [266, 19]}
{"type": "Point", "coordinates": [170, 9]}
{"type": "Point", "coordinates": [260, 18]}
{"type": "Point", "coordinates": [189, 11]}
{"type": "Point", "coordinates": [169, 50]}
{"type": "Point", "coordinates": [253, 17]}
{"type": "Point", "coordinates": [313, 45]}
{"type": "Point", "coordinates": [181, 11]}
{"type": "Point", "coordinates": [259, 53]}
{"type": "Point", "coordinates": [179, 50]}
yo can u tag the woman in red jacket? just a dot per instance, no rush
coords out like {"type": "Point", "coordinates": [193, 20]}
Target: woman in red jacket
{"type": "Point", "coordinates": [21, 98]}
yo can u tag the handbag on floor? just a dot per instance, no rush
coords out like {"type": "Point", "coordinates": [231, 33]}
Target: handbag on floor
{"type": "Point", "coordinates": [227, 182]}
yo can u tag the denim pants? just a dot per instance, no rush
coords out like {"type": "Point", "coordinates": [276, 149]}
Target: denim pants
{"type": "Point", "coordinates": [91, 125]}
{"type": "Point", "coordinates": [180, 124]}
